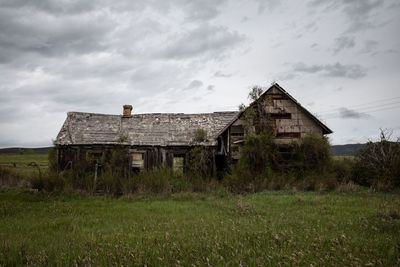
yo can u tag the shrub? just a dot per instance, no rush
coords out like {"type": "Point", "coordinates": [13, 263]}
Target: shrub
{"type": "Point", "coordinates": [342, 169]}
{"type": "Point", "coordinates": [259, 154]}
{"type": "Point", "coordinates": [200, 135]}
{"type": "Point", "coordinates": [347, 187]}
{"type": "Point", "coordinates": [199, 168]}
{"type": "Point", "coordinates": [8, 177]}
{"type": "Point", "coordinates": [314, 152]}
{"type": "Point", "coordinates": [52, 158]}
{"type": "Point", "coordinates": [156, 181]}
{"type": "Point", "coordinates": [251, 173]}
{"type": "Point", "coordinates": [47, 182]}
{"type": "Point", "coordinates": [379, 162]}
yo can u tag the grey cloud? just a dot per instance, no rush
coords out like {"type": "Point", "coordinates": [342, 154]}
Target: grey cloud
{"type": "Point", "coordinates": [205, 40]}
{"type": "Point", "coordinates": [358, 12]}
{"type": "Point", "coordinates": [346, 113]}
{"type": "Point", "coordinates": [267, 4]}
{"type": "Point", "coordinates": [61, 28]}
{"type": "Point", "coordinates": [361, 8]}
{"type": "Point", "coordinates": [211, 88]}
{"type": "Point", "coordinates": [314, 47]}
{"type": "Point", "coordinates": [343, 42]}
{"type": "Point", "coordinates": [285, 76]}
{"type": "Point", "coordinates": [203, 10]}
{"type": "Point", "coordinates": [312, 27]}
{"type": "Point", "coordinates": [351, 71]}
{"type": "Point", "coordinates": [29, 32]}
{"type": "Point", "coordinates": [221, 74]}
{"type": "Point", "coordinates": [370, 47]}
{"type": "Point", "coordinates": [391, 51]}
{"type": "Point", "coordinates": [195, 84]}
{"type": "Point", "coordinates": [50, 6]}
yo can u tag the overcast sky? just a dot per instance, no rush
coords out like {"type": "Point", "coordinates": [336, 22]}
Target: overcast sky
{"type": "Point", "coordinates": [339, 58]}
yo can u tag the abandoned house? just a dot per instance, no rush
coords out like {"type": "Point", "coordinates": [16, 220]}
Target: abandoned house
{"type": "Point", "coordinates": [158, 139]}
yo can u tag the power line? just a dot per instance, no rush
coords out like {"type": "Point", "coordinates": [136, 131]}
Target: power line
{"type": "Point", "coordinates": [366, 104]}
{"type": "Point", "coordinates": [365, 109]}
{"type": "Point", "coordinates": [370, 111]}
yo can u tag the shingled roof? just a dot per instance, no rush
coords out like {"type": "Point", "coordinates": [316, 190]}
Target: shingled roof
{"type": "Point", "coordinates": [156, 129]}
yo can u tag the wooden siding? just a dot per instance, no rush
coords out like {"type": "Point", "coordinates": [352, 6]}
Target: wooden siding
{"type": "Point", "coordinates": [153, 157]}
{"type": "Point", "coordinates": [275, 113]}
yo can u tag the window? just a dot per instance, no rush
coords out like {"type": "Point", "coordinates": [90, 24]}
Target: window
{"type": "Point", "coordinates": [237, 130]}
{"type": "Point", "coordinates": [287, 135]}
{"type": "Point", "coordinates": [137, 160]}
{"type": "Point", "coordinates": [94, 156]}
{"type": "Point", "coordinates": [281, 116]}
{"type": "Point", "coordinates": [178, 162]}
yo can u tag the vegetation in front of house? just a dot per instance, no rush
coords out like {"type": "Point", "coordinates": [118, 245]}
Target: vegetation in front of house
{"type": "Point", "coordinates": [304, 166]}
{"type": "Point", "coordinates": [269, 228]}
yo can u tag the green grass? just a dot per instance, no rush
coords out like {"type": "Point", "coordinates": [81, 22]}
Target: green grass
{"type": "Point", "coordinates": [268, 228]}
{"type": "Point", "coordinates": [20, 163]}
{"type": "Point", "coordinates": [343, 157]}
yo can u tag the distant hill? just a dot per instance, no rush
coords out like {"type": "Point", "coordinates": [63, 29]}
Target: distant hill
{"type": "Point", "coordinates": [18, 150]}
{"type": "Point", "coordinates": [349, 149]}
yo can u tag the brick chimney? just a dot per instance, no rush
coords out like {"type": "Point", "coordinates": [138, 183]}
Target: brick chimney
{"type": "Point", "coordinates": [127, 111]}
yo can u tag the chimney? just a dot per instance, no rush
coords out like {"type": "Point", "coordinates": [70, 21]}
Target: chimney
{"type": "Point", "coordinates": [127, 111]}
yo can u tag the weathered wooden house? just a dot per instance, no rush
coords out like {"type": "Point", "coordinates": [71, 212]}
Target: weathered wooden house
{"type": "Point", "coordinates": [155, 139]}
{"type": "Point", "coordinates": [275, 111]}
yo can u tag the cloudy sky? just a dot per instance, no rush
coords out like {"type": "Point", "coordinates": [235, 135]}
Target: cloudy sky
{"type": "Point", "coordinates": [339, 58]}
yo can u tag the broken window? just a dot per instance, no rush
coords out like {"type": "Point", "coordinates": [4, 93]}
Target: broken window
{"type": "Point", "coordinates": [94, 156]}
{"type": "Point", "coordinates": [178, 162]}
{"type": "Point", "coordinates": [287, 135]}
{"type": "Point", "coordinates": [280, 116]}
{"type": "Point", "coordinates": [137, 160]}
{"type": "Point", "coordinates": [237, 130]}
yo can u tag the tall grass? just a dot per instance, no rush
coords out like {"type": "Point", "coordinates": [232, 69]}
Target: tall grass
{"type": "Point", "coordinates": [301, 166]}
{"type": "Point", "coordinates": [269, 228]}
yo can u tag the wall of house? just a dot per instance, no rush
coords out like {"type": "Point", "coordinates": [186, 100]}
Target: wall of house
{"type": "Point", "coordinates": [138, 157]}
{"type": "Point", "coordinates": [275, 113]}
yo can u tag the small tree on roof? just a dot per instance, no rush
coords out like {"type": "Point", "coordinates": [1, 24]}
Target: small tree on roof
{"type": "Point", "coordinates": [200, 135]}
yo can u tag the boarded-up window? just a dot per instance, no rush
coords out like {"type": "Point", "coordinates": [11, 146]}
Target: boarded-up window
{"type": "Point", "coordinates": [280, 116]}
{"type": "Point", "coordinates": [237, 130]}
{"type": "Point", "coordinates": [137, 160]}
{"type": "Point", "coordinates": [178, 162]}
{"type": "Point", "coordinates": [287, 135]}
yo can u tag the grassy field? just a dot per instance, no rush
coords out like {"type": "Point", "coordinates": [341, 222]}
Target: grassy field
{"type": "Point", "coordinates": [343, 157]}
{"type": "Point", "coordinates": [268, 228]}
{"type": "Point", "coordinates": [22, 164]}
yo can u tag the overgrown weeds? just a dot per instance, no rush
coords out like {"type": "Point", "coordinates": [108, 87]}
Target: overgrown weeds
{"type": "Point", "coordinates": [300, 166]}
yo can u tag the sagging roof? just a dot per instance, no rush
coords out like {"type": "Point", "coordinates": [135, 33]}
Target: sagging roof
{"type": "Point", "coordinates": [156, 129]}
{"type": "Point", "coordinates": [325, 129]}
